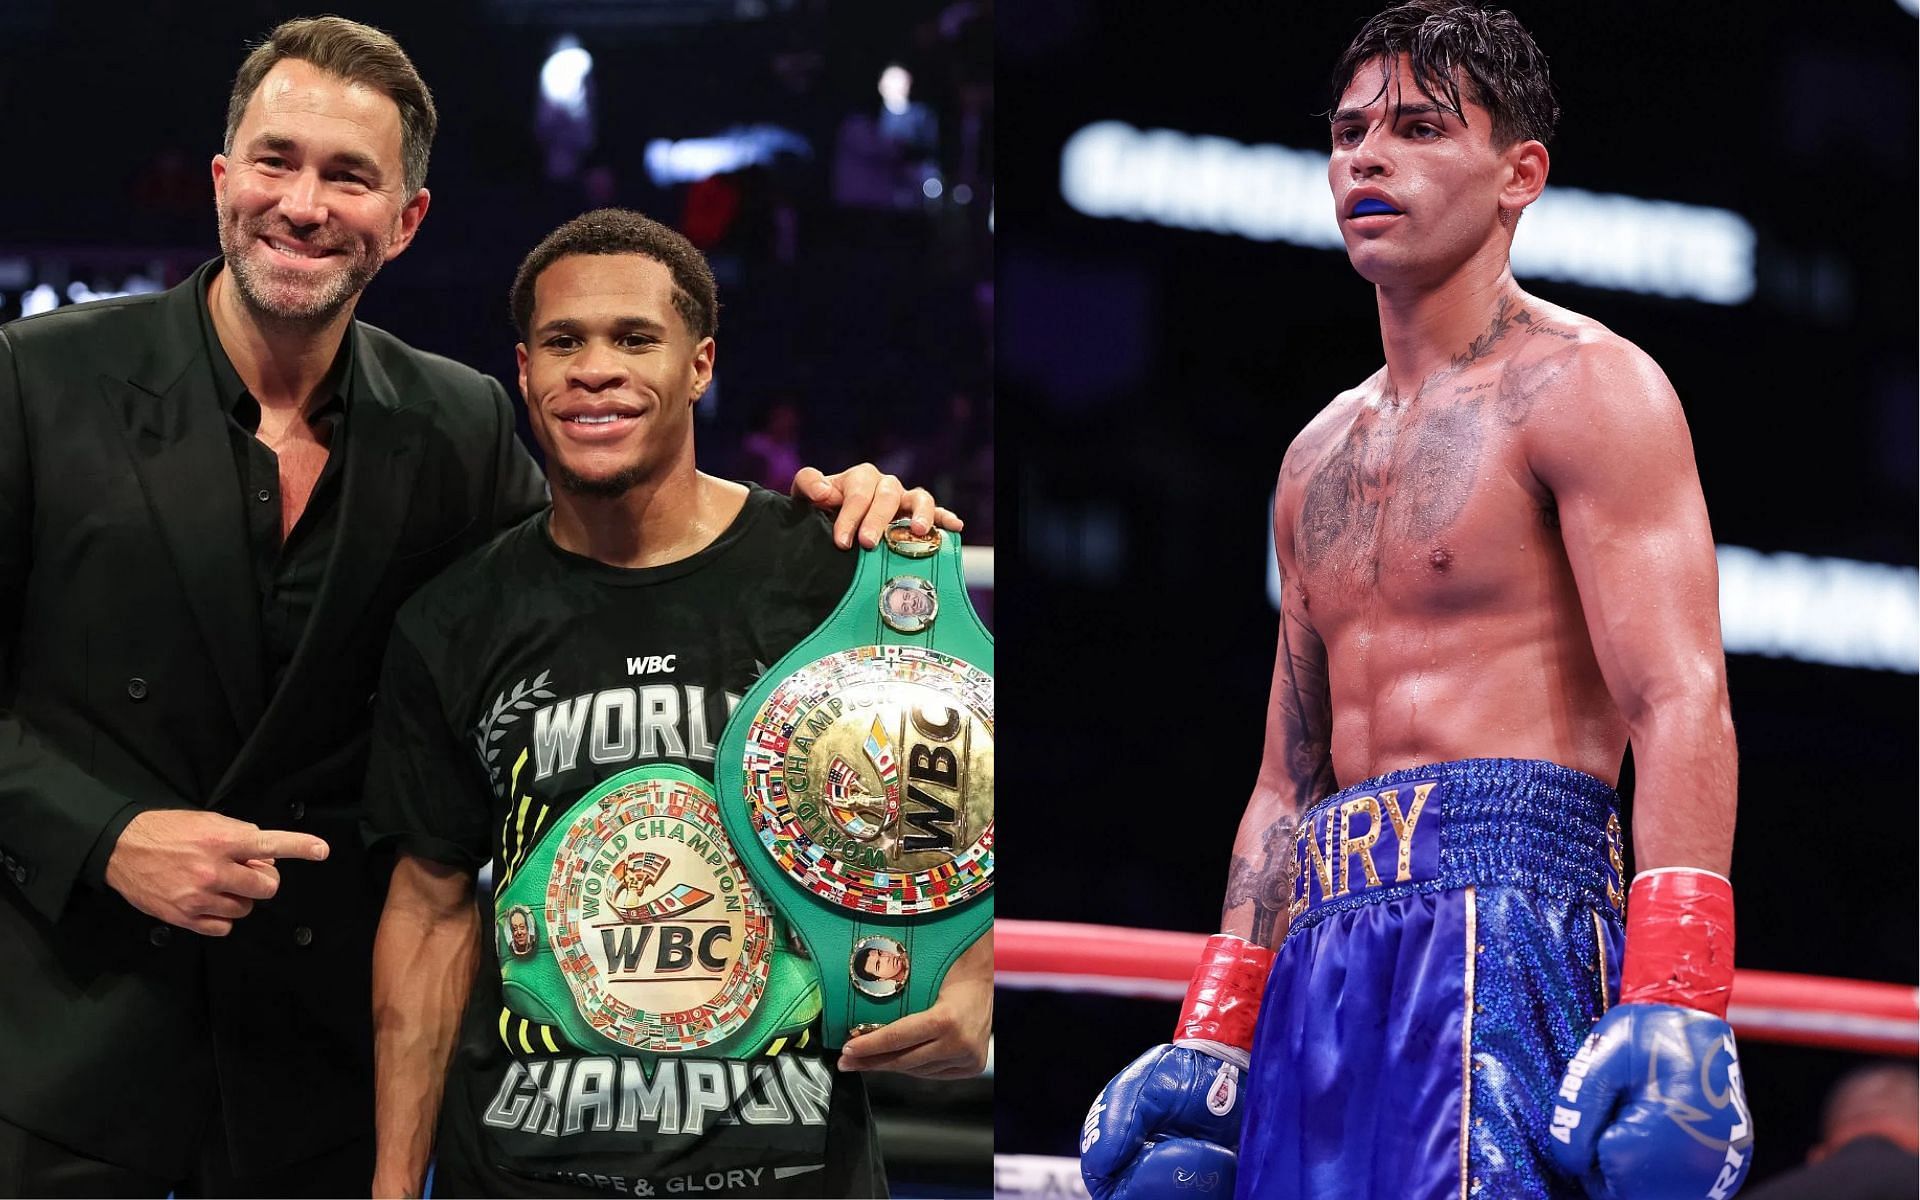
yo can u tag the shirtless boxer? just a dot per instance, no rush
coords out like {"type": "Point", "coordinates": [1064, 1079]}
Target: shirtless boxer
{"type": "Point", "coordinates": [1496, 573]}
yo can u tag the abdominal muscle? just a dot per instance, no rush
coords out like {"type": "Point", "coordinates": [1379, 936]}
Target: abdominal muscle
{"type": "Point", "coordinates": [1516, 680]}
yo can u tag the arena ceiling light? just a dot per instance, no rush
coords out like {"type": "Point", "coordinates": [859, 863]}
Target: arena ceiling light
{"type": "Point", "coordinates": [1270, 193]}
{"type": "Point", "coordinates": [563, 77]}
{"type": "Point", "coordinates": [563, 118]}
{"type": "Point", "coordinates": [1826, 610]}
{"type": "Point", "coordinates": [690, 160]}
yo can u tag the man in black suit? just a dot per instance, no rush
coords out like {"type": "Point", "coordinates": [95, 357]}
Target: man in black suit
{"type": "Point", "coordinates": [1869, 1146]}
{"type": "Point", "coordinates": [211, 503]}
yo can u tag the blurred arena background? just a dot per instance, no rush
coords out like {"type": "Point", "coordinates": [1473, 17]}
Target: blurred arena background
{"type": "Point", "coordinates": [834, 158]}
{"type": "Point", "coordinates": [1732, 188]}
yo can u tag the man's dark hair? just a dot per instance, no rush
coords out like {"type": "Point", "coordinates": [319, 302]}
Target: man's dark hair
{"type": "Point", "coordinates": [1868, 1097]}
{"type": "Point", "coordinates": [620, 231]}
{"type": "Point", "coordinates": [860, 967]}
{"type": "Point", "coordinates": [1504, 69]}
{"type": "Point", "coordinates": [358, 54]}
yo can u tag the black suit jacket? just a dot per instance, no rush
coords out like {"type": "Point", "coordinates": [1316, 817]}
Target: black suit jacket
{"type": "Point", "coordinates": [130, 674]}
{"type": "Point", "coordinates": [1867, 1168]}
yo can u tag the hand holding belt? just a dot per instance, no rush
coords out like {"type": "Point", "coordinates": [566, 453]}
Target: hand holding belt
{"type": "Point", "coordinates": [1169, 1125]}
{"type": "Point", "coordinates": [1652, 1105]}
{"type": "Point", "coordinates": [856, 780]}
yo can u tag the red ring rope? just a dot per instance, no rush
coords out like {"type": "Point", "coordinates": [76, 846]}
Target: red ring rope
{"type": "Point", "coordinates": [1768, 1006]}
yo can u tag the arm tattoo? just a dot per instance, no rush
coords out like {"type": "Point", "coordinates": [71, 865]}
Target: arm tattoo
{"type": "Point", "coordinates": [1267, 884]}
{"type": "Point", "coordinates": [1306, 704]}
{"type": "Point", "coordinates": [1265, 879]}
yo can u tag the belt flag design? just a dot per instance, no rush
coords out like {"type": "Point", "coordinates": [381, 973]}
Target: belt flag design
{"type": "Point", "coordinates": [856, 779]}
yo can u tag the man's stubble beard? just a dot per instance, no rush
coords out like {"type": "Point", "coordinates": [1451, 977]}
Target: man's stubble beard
{"type": "Point", "coordinates": [236, 238]}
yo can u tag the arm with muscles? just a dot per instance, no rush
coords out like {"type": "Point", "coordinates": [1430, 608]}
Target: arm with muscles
{"type": "Point", "coordinates": [427, 796]}
{"type": "Point", "coordinates": [60, 825]}
{"type": "Point", "coordinates": [424, 957]}
{"type": "Point", "coordinates": [1170, 1122]}
{"type": "Point", "coordinates": [947, 1041]}
{"type": "Point", "coordinates": [1652, 1106]}
{"type": "Point", "coordinates": [867, 501]}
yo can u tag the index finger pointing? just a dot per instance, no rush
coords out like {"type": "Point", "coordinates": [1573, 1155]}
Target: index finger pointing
{"type": "Point", "coordinates": [281, 843]}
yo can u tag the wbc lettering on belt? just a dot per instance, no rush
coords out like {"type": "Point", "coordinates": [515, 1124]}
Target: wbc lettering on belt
{"type": "Point", "coordinates": [870, 774]}
{"type": "Point", "coordinates": [1365, 841]}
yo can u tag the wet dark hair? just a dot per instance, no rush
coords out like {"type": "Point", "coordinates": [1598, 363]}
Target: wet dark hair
{"type": "Point", "coordinates": [1504, 69]}
{"type": "Point", "coordinates": [621, 231]}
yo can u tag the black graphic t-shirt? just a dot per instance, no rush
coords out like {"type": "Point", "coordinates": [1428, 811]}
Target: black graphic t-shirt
{"type": "Point", "coordinates": [516, 683]}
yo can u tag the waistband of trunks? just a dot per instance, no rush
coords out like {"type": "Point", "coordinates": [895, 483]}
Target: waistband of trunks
{"type": "Point", "coordinates": [1511, 822]}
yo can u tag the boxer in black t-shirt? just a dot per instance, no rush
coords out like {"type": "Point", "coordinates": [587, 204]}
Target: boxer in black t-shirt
{"type": "Point", "coordinates": [613, 631]}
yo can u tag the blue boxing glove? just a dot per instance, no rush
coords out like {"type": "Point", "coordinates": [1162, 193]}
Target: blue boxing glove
{"type": "Point", "coordinates": [1169, 1125]}
{"type": "Point", "coordinates": [1652, 1106]}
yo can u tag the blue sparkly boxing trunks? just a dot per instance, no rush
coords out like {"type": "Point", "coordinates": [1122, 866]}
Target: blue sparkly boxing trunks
{"type": "Point", "coordinates": [1455, 934]}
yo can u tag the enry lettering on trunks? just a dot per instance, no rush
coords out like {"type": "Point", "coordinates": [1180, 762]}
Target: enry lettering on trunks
{"type": "Point", "coordinates": [1349, 844]}
{"type": "Point", "coordinates": [1325, 847]}
{"type": "Point", "coordinates": [1403, 828]}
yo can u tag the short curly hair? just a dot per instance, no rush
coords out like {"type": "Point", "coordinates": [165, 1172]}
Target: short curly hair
{"type": "Point", "coordinates": [621, 231]}
{"type": "Point", "coordinates": [1504, 69]}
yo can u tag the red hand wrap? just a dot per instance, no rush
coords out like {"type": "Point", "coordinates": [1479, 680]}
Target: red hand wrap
{"type": "Point", "coordinates": [1679, 941]}
{"type": "Point", "coordinates": [1224, 997]}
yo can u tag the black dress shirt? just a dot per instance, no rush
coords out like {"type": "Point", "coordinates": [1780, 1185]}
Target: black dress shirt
{"type": "Point", "coordinates": [286, 575]}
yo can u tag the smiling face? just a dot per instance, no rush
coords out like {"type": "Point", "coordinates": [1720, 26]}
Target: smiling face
{"type": "Point", "coordinates": [610, 373]}
{"type": "Point", "coordinates": [312, 200]}
{"type": "Point", "coordinates": [1418, 190]}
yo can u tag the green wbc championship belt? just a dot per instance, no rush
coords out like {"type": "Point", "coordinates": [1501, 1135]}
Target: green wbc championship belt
{"type": "Point", "coordinates": [856, 779]}
{"type": "Point", "coordinates": [630, 926]}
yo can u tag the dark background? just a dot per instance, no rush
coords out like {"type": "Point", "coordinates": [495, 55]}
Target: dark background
{"type": "Point", "coordinates": [1151, 378]}
{"type": "Point", "coordinates": [868, 317]}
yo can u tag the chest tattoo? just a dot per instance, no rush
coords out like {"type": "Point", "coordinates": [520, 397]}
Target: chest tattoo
{"type": "Point", "coordinates": [1402, 475]}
